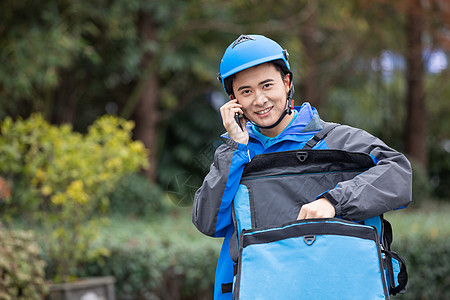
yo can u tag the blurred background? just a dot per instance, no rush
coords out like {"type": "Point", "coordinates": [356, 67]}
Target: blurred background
{"type": "Point", "coordinates": [109, 122]}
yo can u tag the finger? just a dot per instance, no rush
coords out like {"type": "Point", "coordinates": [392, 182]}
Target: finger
{"type": "Point", "coordinates": [302, 214]}
{"type": "Point", "coordinates": [229, 113]}
{"type": "Point", "coordinates": [231, 108]}
{"type": "Point", "coordinates": [228, 104]}
{"type": "Point", "coordinates": [231, 102]}
{"type": "Point", "coordinates": [226, 110]}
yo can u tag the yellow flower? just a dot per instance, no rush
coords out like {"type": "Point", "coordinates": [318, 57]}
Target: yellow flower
{"type": "Point", "coordinates": [40, 174]}
{"type": "Point", "coordinates": [76, 192]}
{"type": "Point", "coordinates": [46, 190]}
{"type": "Point", "coordinates": [58, 199]}
{"type": "Point", "coordinates": [434, 233]}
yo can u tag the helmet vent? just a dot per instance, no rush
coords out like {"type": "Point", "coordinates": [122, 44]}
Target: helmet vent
{"type": "Point", "coordinates": [241, 39]}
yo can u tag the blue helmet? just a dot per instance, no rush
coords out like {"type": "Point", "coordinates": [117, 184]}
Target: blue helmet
{"type": "Point", "coordinates": [248, 51]}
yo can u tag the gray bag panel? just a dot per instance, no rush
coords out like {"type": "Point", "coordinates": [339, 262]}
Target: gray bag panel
{"type": "Point", "coordinates": [280, 183]}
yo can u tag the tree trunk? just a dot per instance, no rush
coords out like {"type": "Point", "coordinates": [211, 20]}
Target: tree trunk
{"type": "Point", "coordinates": [416, 119]}
{"type": "Point", "coordinates": [309, 88]}
{"type": "Point", "coordinates": [65, 99]}
{"type": "Point", "coordinates": [146, 111]}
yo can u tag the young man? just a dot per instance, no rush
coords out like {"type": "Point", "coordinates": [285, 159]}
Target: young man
{"type": "Point", "coordinates": [256, 75]}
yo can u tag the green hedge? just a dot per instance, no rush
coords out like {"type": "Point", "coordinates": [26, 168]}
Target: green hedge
{"type": "Point", "coordinates": [136, 196]}
{"type": "Point", "coordinates": [158, 271]}
{"type": "Point", "coordinates": [422, 238]}
{"type": "Point", "coordinates": [428, 264]}
{"type": "Point", "coordinates": [165, 258]}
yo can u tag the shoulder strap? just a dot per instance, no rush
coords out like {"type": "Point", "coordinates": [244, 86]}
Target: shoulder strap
{"type": "Point", "coordinates": [320, 135]}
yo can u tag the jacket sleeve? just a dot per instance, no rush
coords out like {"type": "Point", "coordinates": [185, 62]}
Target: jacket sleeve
{"type": "Point", "coordinates": [211, 212]}
{"type": "Point", "coordinates": [384, 187]}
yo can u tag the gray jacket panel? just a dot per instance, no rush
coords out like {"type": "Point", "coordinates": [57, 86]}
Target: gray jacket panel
{"type": "Point", "coordinates": [208, 200]}
{"type": "Point", "coordinates": [382, 188]}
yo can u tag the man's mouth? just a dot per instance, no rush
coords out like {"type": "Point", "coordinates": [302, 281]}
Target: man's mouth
{"type": "Point", "coordinates": [265, 111]}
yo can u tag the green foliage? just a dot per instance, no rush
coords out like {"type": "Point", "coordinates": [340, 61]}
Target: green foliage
{"type": "Point", "coordinates": [73, 59]}
{"type": "Point", "coordinates": [165, 258]}
{"type": "Point", "coordinates": [422, 238]}
{"type": "Point", "coordinates": [67, 177]}
{"type": "Point", "coordinates": [136, 196]}
{"type": "Point", "coordinates": [428, 263]}
{"type": "Point", "coordinates": [439, 169]}
{"type": "Point", "coordinates": [421, 185]}
{"type": "Point", "coordinates": [439, 137]}
{"type": "Point", "coordinates": [21, 267]}
{"type": "Point", "coordinates": [371, 103]}
{"type": "Point", "coordinates": [167, 271]}
{"type": "Point", "coordinates": [50, 47]}
{"type": "Point", "coordinates": [187, 151]}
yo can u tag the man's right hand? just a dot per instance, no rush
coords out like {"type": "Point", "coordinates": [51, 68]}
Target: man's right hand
{"type": "Point", "coordinates": [228, 112]}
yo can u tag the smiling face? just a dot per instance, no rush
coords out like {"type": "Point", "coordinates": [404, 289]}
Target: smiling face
{"type": "Point", "coordinates": [262, 93]}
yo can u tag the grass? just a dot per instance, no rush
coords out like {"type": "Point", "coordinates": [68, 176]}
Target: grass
{"type": "Point", "coordinates": [166, 229]}
{"type": "Point", "coordinates": [432, 220]}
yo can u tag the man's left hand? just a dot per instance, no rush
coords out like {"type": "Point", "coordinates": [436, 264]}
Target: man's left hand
{"type": "Point", "coordinates": [321, 208]}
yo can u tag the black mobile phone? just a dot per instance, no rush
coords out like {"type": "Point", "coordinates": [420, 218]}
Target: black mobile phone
{"type": "Point", "coordinates": [238, 121]}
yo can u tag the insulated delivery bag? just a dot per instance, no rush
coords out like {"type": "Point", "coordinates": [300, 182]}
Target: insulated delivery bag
{"type": "Point", "coordinates": [281, 258]}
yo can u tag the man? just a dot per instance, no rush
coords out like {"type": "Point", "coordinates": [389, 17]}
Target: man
{"type": "Point", "coordinates": [256, 75]}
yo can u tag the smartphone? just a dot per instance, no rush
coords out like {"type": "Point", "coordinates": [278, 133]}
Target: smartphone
{"type": "Point", "coordinates": [238, 120]}
{"type": "Point", "coordinates": [236, 115]}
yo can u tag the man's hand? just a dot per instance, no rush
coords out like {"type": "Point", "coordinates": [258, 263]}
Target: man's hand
{"type": "Point", "coordinates": [321, 208]}
{"type": "Point", "coordinates": [228, 112]}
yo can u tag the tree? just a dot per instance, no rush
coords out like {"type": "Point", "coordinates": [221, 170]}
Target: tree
{"type": "Point", "coordinates": [146, 112]}
{"type": "Point", "coordinates": [416, 120]}
{"type": "Point", "coordinates": [309, 35]}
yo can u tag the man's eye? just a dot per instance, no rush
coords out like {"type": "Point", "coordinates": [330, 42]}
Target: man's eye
{"type": "Point", "coordinates": [267, 85]}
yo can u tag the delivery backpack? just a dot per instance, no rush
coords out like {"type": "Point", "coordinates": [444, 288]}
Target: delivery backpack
{"type": "Point", "coordinates": [281, 258]}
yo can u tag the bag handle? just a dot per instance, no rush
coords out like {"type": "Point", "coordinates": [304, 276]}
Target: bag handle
{"type": "Point", "coordinates": [402, 275]}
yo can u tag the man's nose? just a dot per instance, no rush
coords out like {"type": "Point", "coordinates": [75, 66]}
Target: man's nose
{"type": "Point", "coordinates": [260, 98]}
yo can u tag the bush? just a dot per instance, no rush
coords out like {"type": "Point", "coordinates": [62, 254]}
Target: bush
{"type": "Point", "coordinates": [422, 238]}
{"type": "Point", "coordinates": [64, 179]}
{"type": "Point", "coordinates": [428, 263]}
{"type": "Point", "coordinates": [162, 259]}
{"type": "Point", "coordinates": [439, 168]}
{"type": "Point", "coordinates": [21, 268]}
{"type": "Point", "coordinates": [159, 272]}
{"type": "Point", "coordinates": [421, 185]}
{"type": "Point", "coordinates": [136, 196]}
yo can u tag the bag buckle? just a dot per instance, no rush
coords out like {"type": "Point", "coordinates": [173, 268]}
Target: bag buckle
{"type": "Point", "coordinates": [302, 156]}
{"type": "Point", "coordinates": [309, 239]}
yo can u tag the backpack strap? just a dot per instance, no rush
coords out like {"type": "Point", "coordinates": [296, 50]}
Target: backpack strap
{"type": "Point", "coordinates": [320, 135]}
{"type": "Point", "coordinates": [387, 236]}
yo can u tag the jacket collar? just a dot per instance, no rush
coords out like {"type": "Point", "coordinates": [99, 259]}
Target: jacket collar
{"type": "Point", "coordinates": [306, 122]}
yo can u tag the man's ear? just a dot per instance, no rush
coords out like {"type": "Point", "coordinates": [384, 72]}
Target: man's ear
{"type": "Point", "coordinates": [287, 81]}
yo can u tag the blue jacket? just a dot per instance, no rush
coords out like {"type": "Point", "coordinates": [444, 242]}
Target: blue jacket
{"type": "Point", "coordinates": [369, 195]}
